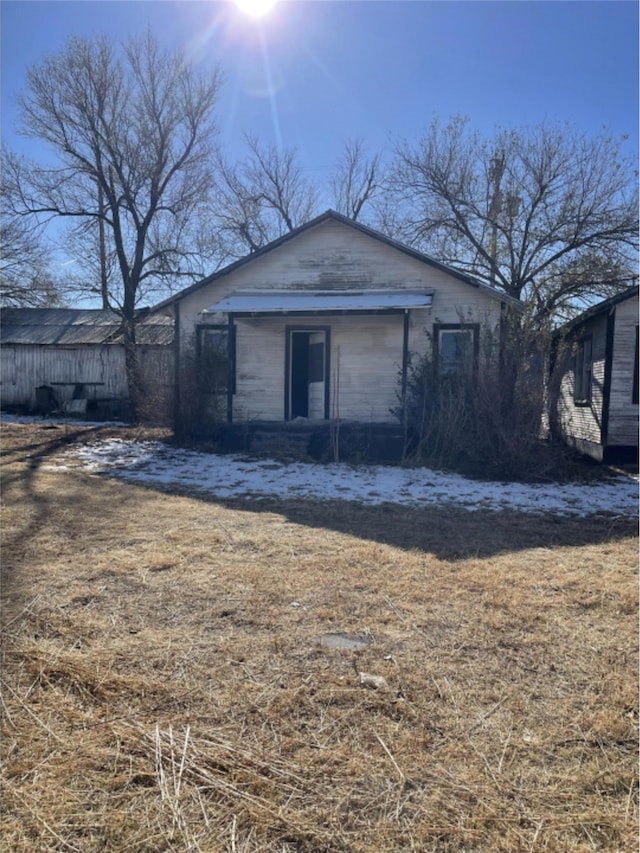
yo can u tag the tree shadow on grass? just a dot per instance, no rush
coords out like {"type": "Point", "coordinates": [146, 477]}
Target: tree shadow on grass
{"type": "Point", "coordinates": [448, 532]}
{"type": "Point", "coordinates": [24, 452]}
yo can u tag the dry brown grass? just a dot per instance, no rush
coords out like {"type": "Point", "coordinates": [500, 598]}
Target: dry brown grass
{"type": "Point", "coordinates": [164, 688]}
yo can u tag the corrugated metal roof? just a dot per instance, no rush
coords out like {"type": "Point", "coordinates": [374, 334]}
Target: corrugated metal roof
{"type": "Point", "coordinates": [75, 326]}
{"type": "Point", "coordinates": [286, 301]}
{"type": "Point", "coordinates": [157, 334]}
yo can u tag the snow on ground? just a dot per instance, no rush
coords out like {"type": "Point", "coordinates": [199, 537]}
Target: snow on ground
{"type": "Point", "coordinates": [237, 475]}
{"type": "Point", "coordinates": [157, 464]}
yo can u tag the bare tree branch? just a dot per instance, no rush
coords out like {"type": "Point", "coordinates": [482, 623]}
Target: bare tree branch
{"type": "Point", "coordinates": [25, 276]}
{"type": "Point", "coordinates": [261, 198]}
{"type": "Point", "coordinates": [356, 181]}
{"type": "Point", "coordinates": [131, 133]}
{"type": "Point", "coordinates": [546, 214]}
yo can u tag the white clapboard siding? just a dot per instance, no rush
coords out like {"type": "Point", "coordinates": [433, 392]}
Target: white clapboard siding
{"type": "Point", "coordinates": [364, 373]}
{"type": "Point", "coordinates": [335, 256]}
{"type": "Point", "coordinates": [366, 360]}
{"type": "Point", "coordinates": [611, 419]}
{"type": "Point", "coordinates": [365, 363]}
{"type": "Point", "coordinates": [260, 359]}
{"type": "Point", "coordinates": [332, 255]}
{"type": "Point", "coordinates": [583, 423]}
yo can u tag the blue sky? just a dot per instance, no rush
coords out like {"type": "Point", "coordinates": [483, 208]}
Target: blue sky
{"type": "Point", "coordinates": [315, 73]}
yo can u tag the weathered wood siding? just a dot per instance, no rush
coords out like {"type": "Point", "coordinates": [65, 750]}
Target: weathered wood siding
{"type": "Point", "coordinates": [623, 413]}
{"type": "Point", "coordinates": [581, 425]}
{"type": "Point", "coordinates": [260, 358]}
{"type": "Point", "coordinates": [333, 256]}
{"type": "Point", "coordinates": [365, 362]}
{"type": "Point", "coordinates": [24, 368]}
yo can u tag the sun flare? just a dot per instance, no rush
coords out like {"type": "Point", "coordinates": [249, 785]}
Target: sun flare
{"type": "Point", "coordinates": [255, 8]}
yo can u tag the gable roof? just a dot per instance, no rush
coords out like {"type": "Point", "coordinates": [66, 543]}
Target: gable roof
{"type": "Point", "coordinates": [597, 309]}
{"type": "Point", "coordinates": [332, 215]}
{"type": "Point", "coordinates": [75, 326]}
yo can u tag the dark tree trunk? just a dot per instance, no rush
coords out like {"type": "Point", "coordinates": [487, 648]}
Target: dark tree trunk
{"type": "Point", "coordinates": [132, 367]}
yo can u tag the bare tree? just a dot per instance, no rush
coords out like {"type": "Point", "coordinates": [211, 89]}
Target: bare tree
{"type": "Point", "coordinates": [25, 274]}
{"type": "Point", "coordinates": [278, 184]}
{"type": "Point", "coordinates": [356, 180]}
{"type": "Point", "coordinates": [93, 267]}
{"type": "Point", "coordinates": [237, 211]}
{"type": "Point", "coordinates": [546, 214]}
{"type": "Point", "coordinates": [263, 197]}
{"type": "Point", "coordinates": [131, 133]}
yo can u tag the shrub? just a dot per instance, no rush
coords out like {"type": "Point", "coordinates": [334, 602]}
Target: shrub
{"type": "Point", "coordinates": [202, 407]}
{"type": "Point", "coordinates": [484, 418]}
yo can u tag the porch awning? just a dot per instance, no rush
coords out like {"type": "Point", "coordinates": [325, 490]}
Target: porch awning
{"type": "Point", "coordinates": [319, 301]}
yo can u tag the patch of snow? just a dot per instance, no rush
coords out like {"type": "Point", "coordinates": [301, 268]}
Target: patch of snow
{"type": "Point", "coordinates": [233, 476]}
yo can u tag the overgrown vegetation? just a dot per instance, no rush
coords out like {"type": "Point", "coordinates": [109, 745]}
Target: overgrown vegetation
{"type": "Point", "coordinates": [204, 374]}
{"type": "Point", "coordinates": [482, 412]}
{"type": "Point", "coordinates": [165, 687]}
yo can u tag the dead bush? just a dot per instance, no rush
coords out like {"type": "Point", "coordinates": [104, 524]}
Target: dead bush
{"type": "Point", "coordinates": [482, 416]}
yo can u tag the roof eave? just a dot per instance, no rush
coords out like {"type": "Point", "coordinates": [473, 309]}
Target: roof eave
{"type": "Point", "coordinates": [596, 310]}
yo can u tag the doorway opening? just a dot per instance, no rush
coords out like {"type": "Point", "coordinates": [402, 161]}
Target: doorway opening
{"type": "Point", "coordinates": [307, 373]}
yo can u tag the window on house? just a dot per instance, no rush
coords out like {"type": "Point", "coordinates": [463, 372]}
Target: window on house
{"type": "Point", "coordinates": [457, 347]}
{"type": "Point", "coordinates": [213, 359]}
{"type": "Point", "coordinates": [634, 395]}
{"type": "Point", "coordinates": [582, 372]}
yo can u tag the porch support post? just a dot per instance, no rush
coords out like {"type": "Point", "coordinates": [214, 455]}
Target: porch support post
{"type": "Point", "coordinates": [405, 362]}
{"type": "Point", "coordinates": [606, 390]}
{"type": "Point", "coordinates": [231, 361]}
{"type": "Point", "coordinates": [327, 373]}
{"type": "Point", "coordinates": [287, 381]}
{"type": "Point", "coordinates": [178, 423]}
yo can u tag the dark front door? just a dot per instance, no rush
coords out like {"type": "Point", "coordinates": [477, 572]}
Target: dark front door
{"type": "Point", "coordinates": [300, 374]}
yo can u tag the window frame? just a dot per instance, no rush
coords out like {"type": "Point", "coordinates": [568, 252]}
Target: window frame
{"type": "Point", "coordinates": [229, 333]}
{"type": "Point", "coordinates": [458, 328]}
{"type": "Point", "coordinates": [583, 372]}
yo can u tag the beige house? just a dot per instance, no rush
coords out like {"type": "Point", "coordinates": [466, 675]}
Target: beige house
{"type": "Point", "coordinates": [595, 406]}
{"type": "Point", "coordinates": [318, 326]}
